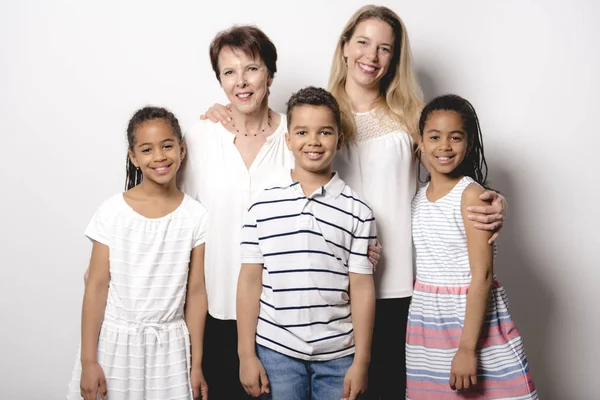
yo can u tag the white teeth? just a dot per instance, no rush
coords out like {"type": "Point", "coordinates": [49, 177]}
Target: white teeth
{"type": "Point", "coordinates": [244, 95]}
{"type": "Point", "coordinates": [367, 67]}
{"type": "Point", "coordinates": [444, 158]}
{"type": "Point", "coordinates": [161, 168]}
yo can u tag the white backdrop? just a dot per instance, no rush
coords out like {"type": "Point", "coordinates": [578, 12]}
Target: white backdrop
{"type": "Point", "coordinates": [72, 73]}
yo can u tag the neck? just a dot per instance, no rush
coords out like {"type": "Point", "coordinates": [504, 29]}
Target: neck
{"type": "Point", "coordinates": [362, 98]}
{"type": "Point", "coordinates": [252, 122]}
{"type": "Point", "coordinates": [311, 181]}
{"type": "Point", "coordinates": [153, 189]}
{"type": "Point", "coordinates": [442, 183]}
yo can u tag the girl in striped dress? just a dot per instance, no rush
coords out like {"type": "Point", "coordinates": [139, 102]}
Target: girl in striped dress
{"type": "Point", "coordinates": [461, 341]}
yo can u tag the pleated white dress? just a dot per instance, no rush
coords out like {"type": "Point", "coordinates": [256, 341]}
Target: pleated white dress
{"type": "Point", "coordinates": [144, 345]}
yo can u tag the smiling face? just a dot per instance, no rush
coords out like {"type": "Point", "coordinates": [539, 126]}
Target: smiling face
{"type": "Point", "coordinates": [444, 142]}
{"type": "Point", "coordinates": [369, 52]}
{"type": "Point", "coordinates": [313, 138]}
{"type": "Point", "coordinates": [245, 80]}
{"type": "Point", "coordinates": [157, 151]}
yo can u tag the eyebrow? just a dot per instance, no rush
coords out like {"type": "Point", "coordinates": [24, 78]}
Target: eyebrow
{"type": "Point", "coordinates": [384, 44]}
{"type": "Point", "coordinates": [163, 141]}
{"type": "Point", "coordinates": [306, 127]}
{"type": "Point", "coordinates": [438, 131]}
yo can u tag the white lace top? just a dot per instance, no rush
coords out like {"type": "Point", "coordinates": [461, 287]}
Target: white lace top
{"type": "Point", "coordinates": [381, 167]}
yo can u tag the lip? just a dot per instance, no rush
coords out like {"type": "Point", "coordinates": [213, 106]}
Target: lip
{"type": "Point", "coordinates": [313, 155]}
{"type": "Point", "coordinates": [250, 94]}
{"type": "Point", "coordinates": [162, 170]}
{"type": "Point", "coordinates": [445, 159]}
{"type": "Point", "coordinates": [361, 67]}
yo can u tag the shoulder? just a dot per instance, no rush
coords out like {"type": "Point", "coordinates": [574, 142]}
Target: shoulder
{"type": "Point", "coordinates": [200, 130]}
{"type": "Point", "coordinates": [194, 208]}
{"type": "Point", "coordinates": [356, 202]}
{"type": "Point", "coordinates": [471, 193]}
{"type": "Point", "coordinates": [112, 206]}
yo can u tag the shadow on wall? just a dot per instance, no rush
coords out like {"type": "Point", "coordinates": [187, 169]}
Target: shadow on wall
{"type": "Point", "coordinates": [530, 299]}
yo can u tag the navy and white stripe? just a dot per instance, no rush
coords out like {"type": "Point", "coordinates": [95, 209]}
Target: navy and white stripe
{"type": "Point", "coordinates": [308, 246]}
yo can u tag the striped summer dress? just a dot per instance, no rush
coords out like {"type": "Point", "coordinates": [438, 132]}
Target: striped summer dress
{"type": "Point", "coordinates": [144, 345]}
{"type": "Point", "coordinates": [437, 312]}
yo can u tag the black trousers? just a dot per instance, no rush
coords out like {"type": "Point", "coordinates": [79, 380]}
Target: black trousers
{"type": "Point", "coordinates": [387, 372]}
{"type": "Point", "coordinates": [220, 364]}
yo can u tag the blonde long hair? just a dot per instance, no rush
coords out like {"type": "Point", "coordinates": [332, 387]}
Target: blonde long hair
{"type": "Point", "coordinates": [401, 95]}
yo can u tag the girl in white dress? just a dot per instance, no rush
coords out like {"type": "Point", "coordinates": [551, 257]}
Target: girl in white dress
{"type": "Point", "coordinates": [145, 303]}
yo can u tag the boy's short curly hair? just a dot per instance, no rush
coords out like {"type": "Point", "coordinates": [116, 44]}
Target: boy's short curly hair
{"type": "Point", "coordinates": [314, 96]}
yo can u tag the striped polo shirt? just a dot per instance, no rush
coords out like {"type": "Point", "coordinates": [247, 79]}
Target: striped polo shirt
{"type": "Point", "coordinates": [308, 246]}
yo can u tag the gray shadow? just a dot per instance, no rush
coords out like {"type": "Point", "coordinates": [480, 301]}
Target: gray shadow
{"type": "Point", "coordinates": [428, 84]}
{"type": "Point", "coordinates": [530, 299]}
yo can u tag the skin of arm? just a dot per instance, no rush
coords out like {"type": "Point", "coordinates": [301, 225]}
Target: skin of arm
{"type": "Point", "coordinates": [252, 374]}
{"type": "Point", "coordinates": [94, 305]}
{"type": "Point", "coordinates": [481, 264]}
{"type": "Point", "coordinates": [196, 308]}
{"type": "Point", "coordinates": [362, 307]}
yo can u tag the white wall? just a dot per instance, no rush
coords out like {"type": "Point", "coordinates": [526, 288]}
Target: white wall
{"type": "Point", "coordinates": [71, 74]}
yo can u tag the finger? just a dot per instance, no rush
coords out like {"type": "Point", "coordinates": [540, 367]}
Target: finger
{"type": "Point", "coordinates": [453, 381]}
{"type": "Point", "coordinates": [494, 237]}
{"type": "Point", "coordinates": [375, 249]}
{"type": "Point", "coordinates": [488, 227]}
{"type": "Point", "coordinates": [264, 387]}
{"type": "Point", "coordinates": [346, 388]}
{"type": "Point", "coordinates": [202, 117]}
{"type": "Point", "coordinates": [103, 390]}
{"type": "Point", "coordinates": [459, 383]}
{"type": "Point", "coordinates": [486, 217]}
{"type": "Point", "coordinates": [474, 380]}
{"type": "Point", "coordinates": [466, 382]}
{"type": "Point", "coordinates": [353, 394]}
{"type": "Point", "coordinates": [195, 392]}
{"type": "Point", "coordinates": [204, 391]}
{"type": "Point", "coordinates": [488, 195]}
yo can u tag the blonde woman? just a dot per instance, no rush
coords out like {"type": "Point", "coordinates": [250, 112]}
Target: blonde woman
{"type": "Point", "coordinates": [373, 80]}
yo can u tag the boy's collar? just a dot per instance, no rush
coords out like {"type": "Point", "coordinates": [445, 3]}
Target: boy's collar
{"type": "Point", "coordinates": [334, 187]}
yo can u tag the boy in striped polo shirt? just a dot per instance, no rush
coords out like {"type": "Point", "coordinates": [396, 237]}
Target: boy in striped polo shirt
{"type": "Point", "coordinates": [306, 298]}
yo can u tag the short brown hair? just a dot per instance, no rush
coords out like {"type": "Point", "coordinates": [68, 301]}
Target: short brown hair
{"type": "Point", "coordinates": [249, 39]}
{"type": "Point", "coordinates": [317, 97]}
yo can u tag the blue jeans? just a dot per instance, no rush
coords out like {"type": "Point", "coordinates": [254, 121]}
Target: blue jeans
{"type": "Point", "coordinates": [294, 379]}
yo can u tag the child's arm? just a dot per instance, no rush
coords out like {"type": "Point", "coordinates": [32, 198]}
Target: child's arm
{"type": "Point", "coordinates": [94, 304]}
{"type": "Point", "coordinates": [464, 365]}
{"type": "Point", "coordinates": [362, 308]}
{"type": "Point", "coordinates": [252, 374]}
{"type": "Point", "coordinates": [196, 307]}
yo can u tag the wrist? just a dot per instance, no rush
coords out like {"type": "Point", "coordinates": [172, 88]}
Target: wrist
{"type": "Point", "coordinates": [467, 347]}
{"type": "Point", "coordinates": [362, 360]}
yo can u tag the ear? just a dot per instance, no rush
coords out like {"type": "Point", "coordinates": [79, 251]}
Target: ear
{"type": "Point", "coordinates": [132, 158]}
{"type": "Point", "coordinates": [270, 82]}
{"type": "Point", "coordinates": [421, 145]}
{"type": "Point", "coordinates": [287, 140]}
{"type": "Point", "coordinates": [182, 150]}
{"type": "Point", "coordinates": [340, 142]}
{"type": "Point", "coordinates": [345, 50]}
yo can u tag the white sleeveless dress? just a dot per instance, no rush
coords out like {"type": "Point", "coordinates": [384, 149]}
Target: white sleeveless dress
{"type": "Point", "coordinates": [144, 344]}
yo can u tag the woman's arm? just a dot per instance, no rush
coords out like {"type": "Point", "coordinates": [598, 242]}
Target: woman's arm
{"type": "Point", "coordinates": [196, 307]}
{"type": "Point", "coordinates": [489, 217]}
{"type": "Point", "coordinates": [94, 305]}
{"type": "Point", "coordinates": [218, 113]}
{"type": "Point", "coordinates": [464, 365]}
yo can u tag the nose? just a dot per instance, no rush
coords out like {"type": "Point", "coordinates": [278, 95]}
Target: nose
{"type": "Point", "coordinates": [314, 139]}
{"type": "Point", "coordinates": [159, 155]}
{"type": "Point", "coordinates": [445, 144]}
{"type": "Point", "coordinates": [373, 53]}
{"type": "Point", "coordinates": [241, 80]}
